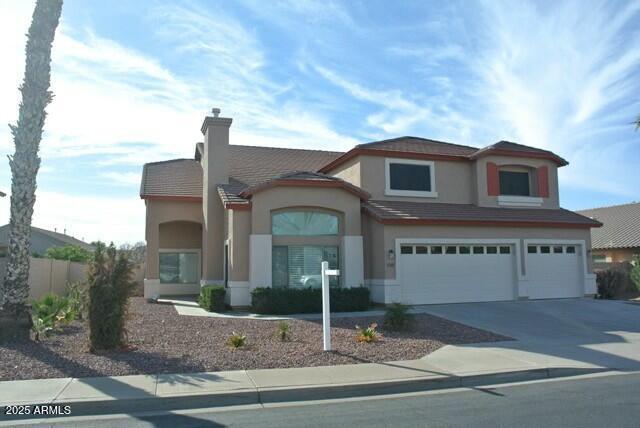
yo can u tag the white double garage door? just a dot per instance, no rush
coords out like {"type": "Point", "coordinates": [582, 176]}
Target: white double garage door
{"type": "Point", "coordinates": [479, 272]}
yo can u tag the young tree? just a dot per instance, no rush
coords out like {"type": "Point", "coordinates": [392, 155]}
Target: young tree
{"type": "Point", "coordinates": [73, 253]}
{"type": "Point", "coordinates": [27, 133]}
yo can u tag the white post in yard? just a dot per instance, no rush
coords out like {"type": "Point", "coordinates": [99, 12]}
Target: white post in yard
{"type": "Point", "coordinates": [326, 310]}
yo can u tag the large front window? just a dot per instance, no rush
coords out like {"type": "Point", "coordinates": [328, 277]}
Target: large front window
{"type": "Point", "coordinates": [514, 183]}
{"type": "Point", "coordinates": [179, 267]}
{"type": "Point", "coordinates": [305, 223]}
{"type": "Point", "coordinates": [299, 265]}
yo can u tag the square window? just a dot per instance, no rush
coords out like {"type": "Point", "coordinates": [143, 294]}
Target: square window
{"type": "Point", "coordinates": [478, 250]}
{"type": "Point", "coordinates": [557, 249]}
{"type": "Point", "coordinates": [465, 249]}
{"type": "Point", "coordinates": [532, 249]}
{"type": "Point", "coordinates": [451, 249]}
{"type": "Point", "coordinates": [406, 176]}
{"type": "Point", "coordinates": [545, 249]}
{"type": "Point", "coordinates": [406, 249]}
{"type": "Point", "coordinates": [505, 250]}
{"type": "Point", "coordinates": [492, 250]}
{"type": "Point", "coordinates": [421, 249]}
{"type": "Point", "coordinates": [570, 249]}
{"type": "Point", "coordinates": [514, 183]}
{"type": "Point", "coordinates": [436, 249]}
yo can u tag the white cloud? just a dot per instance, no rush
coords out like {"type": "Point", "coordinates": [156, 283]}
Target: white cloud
{"type": "Point", "coordinates": [561, 78]}
{"type": "Point", "coordinates": [123, 178]}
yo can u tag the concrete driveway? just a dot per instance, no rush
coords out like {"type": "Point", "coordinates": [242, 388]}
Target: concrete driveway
{"type": "Point", "coordinates": [584, 332]}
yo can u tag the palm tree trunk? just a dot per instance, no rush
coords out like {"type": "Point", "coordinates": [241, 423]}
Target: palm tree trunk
{"type": "Point", "coordinates": [27, 133]}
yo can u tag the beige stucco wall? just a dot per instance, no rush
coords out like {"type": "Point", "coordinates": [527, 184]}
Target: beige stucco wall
{"type": "Point", "coordinates": [383, 238]}
{"type": "Point", "coordinates": [453, 180]}
{"type": "Point", "coordinates": [458, 182]}
{"type": "Point", "coordinates": [159, 212]}
{"type": "Point", "coordinates": [239, 227]}
{"type": "Point", "coordinates": [483, 199]}
{"type": "Point", "coordinates": [350, 171]}
{"type": "Point", "coordinates": [267, 201]}
{"type": "Point", "coordinates": [180, 235]}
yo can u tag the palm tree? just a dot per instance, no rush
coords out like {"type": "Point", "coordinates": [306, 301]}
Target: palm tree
{"type": "Point", "coordinates": [27, 133]}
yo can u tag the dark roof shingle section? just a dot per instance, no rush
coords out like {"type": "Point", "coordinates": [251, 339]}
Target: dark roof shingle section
{"type": "Point", "coordinates": [621, 226]}
{"type": "Point", "coordinates": [400, 210]}
{"type": "Point", "coordinates": [253, 165]}
{"type": "Point", "coordinates": [420, 145]}
{"type": "Point", "coordinates": [179, 177]}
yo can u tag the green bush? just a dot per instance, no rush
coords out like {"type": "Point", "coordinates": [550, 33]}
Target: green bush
{"type": "Point", "coordinates": [280, 301]}
{"type": "Point", "coordinates": [635, 273]}
{"type": "Point", "coordinates": [48, 313]}
{"type": "Point", "coordinates": [212, 298]}
{"type": "Point", "coordinates": [110, 285]}
{"type": "Point", "coordinates": [397, 317]}
{"type": "Point", "coordinates": [611, 282]}
{"type": "Point", "coordinates": [72, 253]}
{"type": "Point", "coordinates": [78, 295]}
{"type": "Point", "coordinates": [237, 340]}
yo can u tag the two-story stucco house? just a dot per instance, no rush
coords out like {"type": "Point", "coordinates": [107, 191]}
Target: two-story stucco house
{"type": "Point", "coordinates": [416, 220]}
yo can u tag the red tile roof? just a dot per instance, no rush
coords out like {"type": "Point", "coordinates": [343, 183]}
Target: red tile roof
{"type": "Point", "coordinates": [401, 212]}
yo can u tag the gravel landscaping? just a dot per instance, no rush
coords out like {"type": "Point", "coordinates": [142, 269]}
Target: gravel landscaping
{"type": "Point", "coordinates": [161, 341]}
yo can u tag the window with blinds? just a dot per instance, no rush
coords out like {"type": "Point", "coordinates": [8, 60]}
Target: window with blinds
{"type": "Point", "coordinates": [299, 265]}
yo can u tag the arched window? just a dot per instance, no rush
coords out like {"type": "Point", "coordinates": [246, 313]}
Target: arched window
{"type": "Point", "coordinates": [304, 223]}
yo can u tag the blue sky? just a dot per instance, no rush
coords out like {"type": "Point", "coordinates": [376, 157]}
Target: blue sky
{"type": "Point", "coordinates": [133, 81]}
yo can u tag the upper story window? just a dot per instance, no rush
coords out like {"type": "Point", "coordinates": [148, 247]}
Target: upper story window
{"type": "Point", "coordinates": [514, 183]}
{"type": "Point", "coordinates": [304, 223]}
{"type": "Point", "coordinates": [405, 177]}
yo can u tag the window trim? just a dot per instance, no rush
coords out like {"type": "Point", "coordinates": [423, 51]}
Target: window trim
{"type": "Point", "coordinates": [181, 250]}
{"type": "Point", "coordinates": [415, 193]}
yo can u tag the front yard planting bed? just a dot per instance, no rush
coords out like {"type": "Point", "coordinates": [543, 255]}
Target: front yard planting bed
{"type": "Point", "coordinates": [161, 341]}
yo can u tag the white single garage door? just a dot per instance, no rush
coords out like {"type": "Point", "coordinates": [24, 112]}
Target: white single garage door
{"type": "Point", "coordinates": [554, 271]}
{"type": "Point", "coordinates": [453, 273]}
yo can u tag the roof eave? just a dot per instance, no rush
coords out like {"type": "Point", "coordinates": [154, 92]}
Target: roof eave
{"type": "Point", "coordinates": [388, 153]}
{"type": "Point", "coordinates": [521, 154]}
{"type": "Point", "coordinates": [248, 193]}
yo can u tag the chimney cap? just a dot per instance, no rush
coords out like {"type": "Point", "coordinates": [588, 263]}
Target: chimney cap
{"type": "Point", "coordinates": [215, 111]}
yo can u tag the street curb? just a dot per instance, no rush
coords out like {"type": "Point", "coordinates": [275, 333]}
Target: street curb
{"type": "Point", "coordinates": [304, 393]}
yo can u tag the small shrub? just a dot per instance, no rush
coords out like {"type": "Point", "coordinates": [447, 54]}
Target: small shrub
{"type": "Point", "coordinates": [369, 334]}
{"type": "Point", "coordinates": [611, 282]}
{"type": "Point", "coordinates": [635, 273]}
{"type": "Point", "coordinates": [212, 298]}
{"type": "Point", "coordinates": [237, 340]}
{"type": "Point", "coordinates": [282, 301]}
{"type": "Point", "coordinates": [48, 313]}
{"type": "Point", "coordinates": [284, 331]}
{"type": "Point", "coordinates": [110, 285]}
{"type": "Point", "coordinates": [78, 295]}
{"type": "Point", "coordinates": [397, 317]}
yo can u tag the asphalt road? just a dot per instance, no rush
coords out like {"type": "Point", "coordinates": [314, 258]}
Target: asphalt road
{"type": "Point", "coordinates": [596, 401]}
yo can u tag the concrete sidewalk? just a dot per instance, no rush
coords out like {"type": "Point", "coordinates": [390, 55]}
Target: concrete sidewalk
{"type": "Point", "coordinates": [447, 368]}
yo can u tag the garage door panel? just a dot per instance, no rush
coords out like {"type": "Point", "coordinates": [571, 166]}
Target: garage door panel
{"type": "Point", "coordinates": [450, 278]}
{"type": "Point", "coordinates": [554, 275]}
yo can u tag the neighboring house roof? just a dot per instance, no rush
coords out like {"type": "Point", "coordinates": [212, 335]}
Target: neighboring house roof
{"type": "Point", "coordinates": [621, 226]}
{"type": "Point", "coordinates": [42, 239]}
{"type": "Point", "coordinates": [248, 166]}
{"type": "Point", "coordinates": [401, 212]}
{"type": "Point", "coordinates": [414, 147]}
